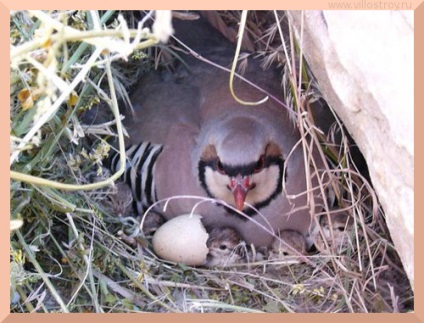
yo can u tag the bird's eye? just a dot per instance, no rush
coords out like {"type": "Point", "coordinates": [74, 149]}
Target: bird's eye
{"type": "Point", "coordinates": [223, 247]}
{"type": "Point", "coordinates": [220, 167]}
{"type": "Point", "coordinates": [259, 165]}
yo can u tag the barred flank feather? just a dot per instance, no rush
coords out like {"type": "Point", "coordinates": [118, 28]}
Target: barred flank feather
{"type": "Point", "coordinates": [139, 172]}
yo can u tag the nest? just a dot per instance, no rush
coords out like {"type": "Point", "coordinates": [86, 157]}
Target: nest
{"type": "Point", "coordinates": [68, 252]}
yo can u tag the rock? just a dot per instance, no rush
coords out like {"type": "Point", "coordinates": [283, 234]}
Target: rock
{"type": "Point", "coordinates": [364, 64]}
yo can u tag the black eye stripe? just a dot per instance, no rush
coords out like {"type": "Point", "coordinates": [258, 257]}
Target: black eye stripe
{"type": "Point", "coordinates": [244, 170]}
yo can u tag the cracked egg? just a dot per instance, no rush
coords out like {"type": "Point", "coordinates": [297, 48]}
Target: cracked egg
{"type": "Point", "coordinates": [182, 239]}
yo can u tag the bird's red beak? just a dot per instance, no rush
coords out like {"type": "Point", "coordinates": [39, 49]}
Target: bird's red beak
{"type": "Point", "coordinates": [240, 186]}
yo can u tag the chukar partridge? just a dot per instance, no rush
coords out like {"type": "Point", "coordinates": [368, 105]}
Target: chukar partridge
{"type": "Point", "coordinates": [188, 136]}
{"type": "Point", "coordinates": [289, 242]}
{"type": "Point", "coordinates": [120, 201]}
{"type": "Point", "coordinates": [336, 231]}
{"type": "Point", "coordinates": [226, 247]}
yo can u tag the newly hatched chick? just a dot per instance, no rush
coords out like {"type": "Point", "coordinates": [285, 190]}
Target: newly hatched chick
{"type": "Point", "coordinates": [226, 247]}
{"type": "Point", "coordinates": [290, 242]}
{"type": "Point", "coordinates": [120, 201]}
{"type": "Point", "coordinates": [336, 229]}
{"type": "Point", "coordinates": [151, 222]}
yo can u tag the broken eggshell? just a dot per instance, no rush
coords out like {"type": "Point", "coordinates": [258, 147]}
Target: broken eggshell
{"type": "Point", "coordinates": [182, 239]}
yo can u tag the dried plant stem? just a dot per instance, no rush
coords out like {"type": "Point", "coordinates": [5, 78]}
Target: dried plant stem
{"type": "Point", "coordinates": [41, 272]}
{"type": "Point", "coordinates": [201, 303]}
{"type": "Point", "coordinates": [233, 67]}
{"type": "Point", "coordinates": [124, 292]}
{"type": "Point", "coordinates": [114, 106]}
{"type": "Point", "coordinates": [53, 109]}
{"type": "Point", "coordinates": [70, 262]}
{"type": "Point", "coordinates": [145, 290]}
{"type": "Point", "coordinates": [89, 272]}
{"type": "Point", "coordinates": [24, 297]}
{"type": "Point", "coordinates": [94, 37]}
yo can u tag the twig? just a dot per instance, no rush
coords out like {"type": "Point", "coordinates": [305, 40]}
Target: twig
{"type": "Point", "coordinates": [114, 106]}
{"type": "Point", "coordinates": [236, 55]}
{"type": "Point", "coordinates": [143, 289]}
{"type": "Point", "coordinates": [41, 272]}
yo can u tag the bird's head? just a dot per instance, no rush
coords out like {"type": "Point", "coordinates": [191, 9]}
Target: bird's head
{"type": "Point", "coordinates": [241, 163]}
{"type": "Point", "coordinates": [225, 246]}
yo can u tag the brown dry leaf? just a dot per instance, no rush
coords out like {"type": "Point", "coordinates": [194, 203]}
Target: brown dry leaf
{"type": "Point", "coordinates": [26, 99]}
{"type": "Point", "coordinates": [73, 99]}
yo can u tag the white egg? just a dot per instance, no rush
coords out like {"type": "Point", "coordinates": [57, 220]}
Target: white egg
{"type": "Point", "coordinates": [182, 239]}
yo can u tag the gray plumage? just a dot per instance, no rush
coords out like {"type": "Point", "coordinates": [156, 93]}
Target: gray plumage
{"type": "Point", "coordinates": [205, 136]}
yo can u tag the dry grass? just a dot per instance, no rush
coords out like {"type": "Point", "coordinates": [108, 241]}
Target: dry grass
{"type": "Point", "coordinates": [70, 255]}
